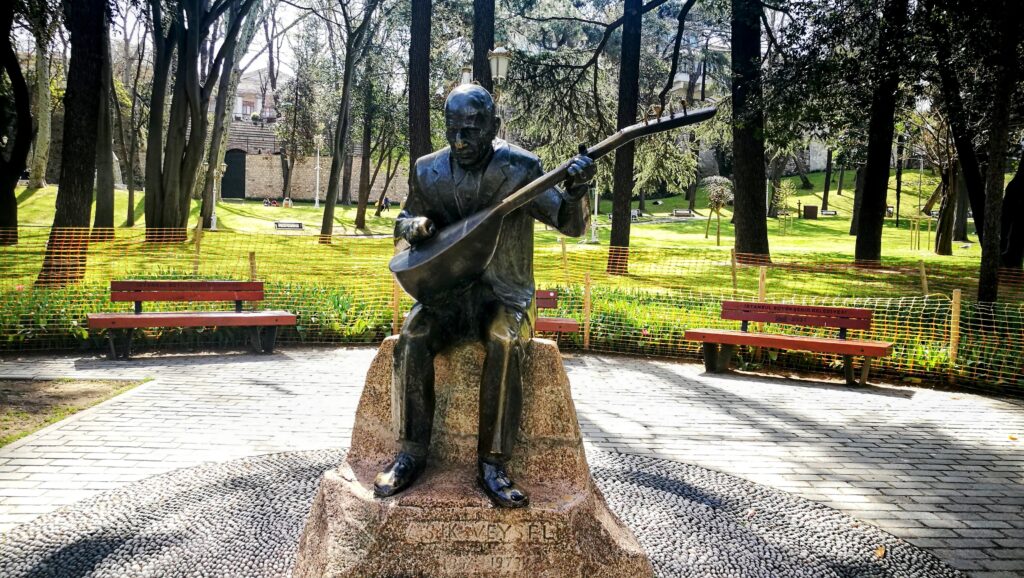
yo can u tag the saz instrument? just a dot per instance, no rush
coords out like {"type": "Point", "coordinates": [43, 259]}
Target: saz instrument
{"type": "Point", "coordinates": [458, 254]}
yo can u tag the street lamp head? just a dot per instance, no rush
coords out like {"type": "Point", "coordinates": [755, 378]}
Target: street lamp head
{"type": "Point", "coordinates": [498, 59]}
{"type": "Point", "coordinates": [466, 76]}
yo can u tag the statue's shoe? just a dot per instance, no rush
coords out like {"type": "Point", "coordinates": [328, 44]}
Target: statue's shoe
{"type": "Point", "coordinates": [399, 475]}
{"type": "Point", "coordinates": [499, 488]}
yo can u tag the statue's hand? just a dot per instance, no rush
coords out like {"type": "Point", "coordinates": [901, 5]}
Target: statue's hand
{"type": "Point", "coordinates": [581, 171]}
{"type": "Point", "coordinates": [420, 229]}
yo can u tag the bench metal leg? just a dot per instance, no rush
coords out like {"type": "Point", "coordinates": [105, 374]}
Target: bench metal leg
{"type": "Point", "coordinates": [268, 337]}
{"type": "Point", "coordinates": [725, 353]}
{"type": "Point", "coordinates": [710, 357]}
{"type": "Point", "coordinates": [255, 343]}
{"type": "Point", "coordinates": [848, 370]}
{"type": "Point", "coordinates": [716, 359]}
{"type": "Point", "coordinates": [865, 370]}
{"type": "Point", "coordinates": [125, 337]}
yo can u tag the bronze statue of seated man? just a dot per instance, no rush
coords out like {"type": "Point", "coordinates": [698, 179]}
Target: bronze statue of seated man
{"type": "Point", "coordinates": [474, 172]}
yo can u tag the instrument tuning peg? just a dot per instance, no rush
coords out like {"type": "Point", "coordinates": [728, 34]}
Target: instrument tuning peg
{"type": "Point", "coordinates": [582, 149]}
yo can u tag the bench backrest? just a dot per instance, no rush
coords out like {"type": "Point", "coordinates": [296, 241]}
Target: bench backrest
{"type": "Point", "coordinates": [546, 299]}
{"type": "Point", "coordinates": [809, 315]}
{"type": "Point", "coordinates": [140, 291]}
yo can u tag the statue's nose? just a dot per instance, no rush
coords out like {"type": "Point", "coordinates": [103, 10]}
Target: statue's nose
{"type": "Point", "coordinates": [459, 143]}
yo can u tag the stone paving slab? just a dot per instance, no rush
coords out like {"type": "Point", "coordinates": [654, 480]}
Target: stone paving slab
{"type": "Point", "coordinates": [935, 468]}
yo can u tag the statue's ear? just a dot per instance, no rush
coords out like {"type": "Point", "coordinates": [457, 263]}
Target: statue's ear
{"type": "Point", "coordinates": [496, 126]}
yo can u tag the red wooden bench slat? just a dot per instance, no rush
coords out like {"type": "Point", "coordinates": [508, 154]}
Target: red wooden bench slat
{"type": "Point", "coordinates": [548, 299]}
{"type": "Point", "coordinates": [793, 319]}
{"type": "Point", "coordinates": [546, 303]}
{"type": "Point", "coordinates": [186, 295]}
{"type": "Point", "coordinates": [557, 325]}
{"type": "Point", "coordinates": [797, 342]}
{"type": "Point", "coordinates": [190, 319]}
{"type": "Point", "coordinates": [140, 285]}
{"type": "Point", "coordinates": [817, 310]}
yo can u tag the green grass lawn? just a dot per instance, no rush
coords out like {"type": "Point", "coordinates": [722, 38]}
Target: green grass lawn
{"type": "Point", "coordinates": [35, 208]}
{"type": "Point", "coordinates": [653, 238]}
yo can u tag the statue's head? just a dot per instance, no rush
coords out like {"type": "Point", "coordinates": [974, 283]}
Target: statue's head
{"type": "Point", "coordinates": [470, 124]}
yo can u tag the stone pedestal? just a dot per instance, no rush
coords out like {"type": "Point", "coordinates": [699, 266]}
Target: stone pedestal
{"type": "Point", "coordinates": [444, 525]}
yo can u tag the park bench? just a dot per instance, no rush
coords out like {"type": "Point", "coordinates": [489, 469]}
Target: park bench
{"type": "Point", "coordinates": [557, 325]}
{"type": "Point", "coordinates": [719, 344]}
{"type": "Point", "coordinates": [263, 324]}
{"type": "Point", "coordinates": [288, 225]}
{"type": "Point", "coordinates": [682, 213]}
{"type": "Point", "coordinates": [828, 213]}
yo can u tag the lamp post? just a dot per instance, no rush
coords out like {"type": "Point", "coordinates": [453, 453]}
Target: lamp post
{"type": "Point", "coordinates": [319, 139]}
{"type": "Point", "coordinates": [593, 222]}
{"type": "Point", "coordinates": [498, 59]}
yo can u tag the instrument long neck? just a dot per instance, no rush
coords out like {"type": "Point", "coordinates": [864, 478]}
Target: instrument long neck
{"type": "Point", "coordinates": [551, 178]}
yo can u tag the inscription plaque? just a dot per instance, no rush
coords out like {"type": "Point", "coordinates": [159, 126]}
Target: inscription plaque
{"type": "Point", "coordinates": [481, 531]}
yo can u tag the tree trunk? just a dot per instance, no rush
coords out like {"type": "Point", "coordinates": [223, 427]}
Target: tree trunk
{"type": "Point", "coordinates": [12, 166]}
{"type": "Point", "coordinates": [899, 177]}
{"type": "Point", "coordinates": [858, 199]}
{"type": "Point", "coordinates": [177, 167]}
{"type": "Point", "coordinates": [346, 177]}
{"type": "Point", "coordinates": [483, 42]}
{"type": "Point", "coordinates": [1004, 70]}
{"type": "Point", "coordinates": [839, 185]}
{"type": "Point", "coordinates": [103, 222]}
{"type": "Point", "coordinates": [775, 168]}
{"type": "Point", "coordinates": [163, 53]}
{"type": "Point", "coordinates": [41, 148]}
{"type": "Point", "coordinates": [691, 190]}
{"type": "Point", "coordinates": [340, 148]}
{"type": "Point", "coordinates": [944, 228]}
{"type": "Point", "coordinates": [748, 130]}
{"type": "Point", "coordinates": [65, 257]}
{"type": "Point", "coordinates": [419, 82]}
{"type": "Point", "coordinates": [959, 127]}
{"type": "Point", "coordinates": [801, 171]}
{"type": "Point", "coordinates": [962, 204]}
{"type": "Point", "coordinates": [1013, 222]}
{"type": "Point", "coordinates": [226, 90]}
{"type": "Point", "coordinates": [888, 60]}
{"type": "Point", "coordinates": [364, 167]}
{"type": "Point", "coordinates": [286, 173]}
{"type": "Point", "coordinates": [828, 180]}
{"type": "Point", "coordinates": [622, 179]}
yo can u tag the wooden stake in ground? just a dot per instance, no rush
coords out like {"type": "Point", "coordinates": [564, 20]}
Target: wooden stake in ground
{"type": "Point", "coordinates": [954, 333]}
{"type": "Point", "coordinates": [586, 311]}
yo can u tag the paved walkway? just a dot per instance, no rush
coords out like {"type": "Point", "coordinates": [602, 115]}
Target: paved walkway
{"type": "Point", "coordinates": [938, 469]}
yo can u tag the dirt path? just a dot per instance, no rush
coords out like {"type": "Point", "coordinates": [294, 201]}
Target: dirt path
{"type": "Point", "coordinates": [29, 405]}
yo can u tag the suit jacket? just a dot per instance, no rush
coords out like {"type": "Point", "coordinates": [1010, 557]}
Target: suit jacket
{"type": "Point", "coordinates": [436, 192]}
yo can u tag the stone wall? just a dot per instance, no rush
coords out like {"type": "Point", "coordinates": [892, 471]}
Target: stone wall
{"type": "Point", "coordinates": [263, 179]}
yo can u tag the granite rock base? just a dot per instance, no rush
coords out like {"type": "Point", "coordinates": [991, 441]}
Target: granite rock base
{"type": "Point", "coordinates": [444, 525]}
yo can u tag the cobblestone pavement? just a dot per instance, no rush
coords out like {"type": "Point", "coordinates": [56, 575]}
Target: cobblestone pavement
{"type": "Point", "coordinates": [938, 469]}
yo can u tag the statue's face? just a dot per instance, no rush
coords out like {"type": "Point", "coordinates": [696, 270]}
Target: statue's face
{"type": "Point", "coordinates": [470, 124]}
